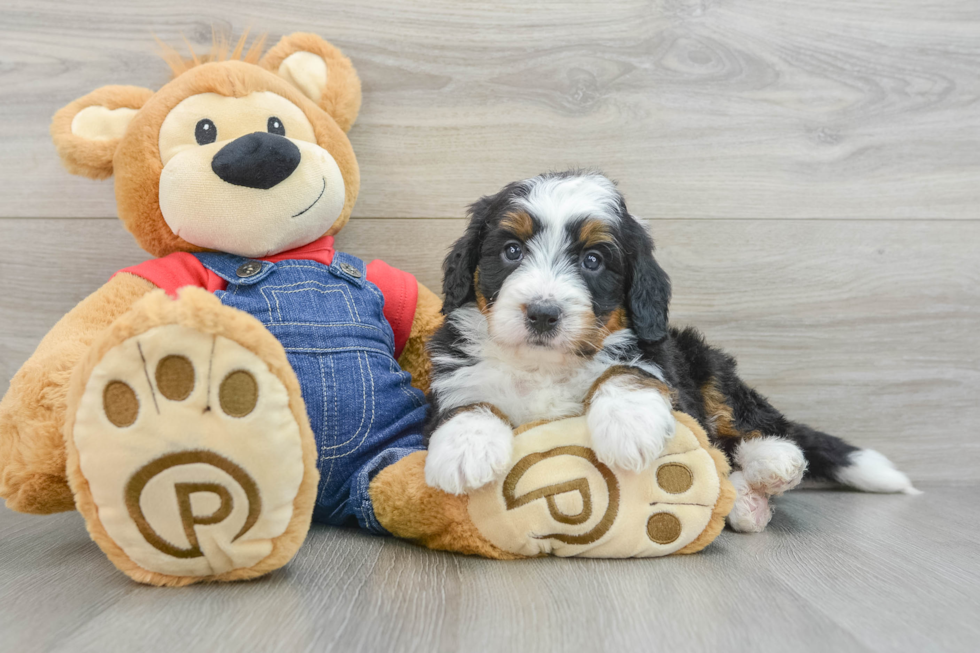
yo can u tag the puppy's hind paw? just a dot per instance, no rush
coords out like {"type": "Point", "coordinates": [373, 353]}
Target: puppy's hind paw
{"type": "Point", "coordinates": [751, 512]}
{"type": "Point", "coordinates": [771, 466]}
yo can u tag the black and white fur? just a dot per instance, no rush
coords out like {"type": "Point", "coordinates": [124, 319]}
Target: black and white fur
{"type": "Point", "coordinates": [554, 283]}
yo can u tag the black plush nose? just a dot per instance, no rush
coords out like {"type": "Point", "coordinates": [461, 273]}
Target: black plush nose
{"type": "Point", "coordinates": [259, 160]}
{"type": "Point", "coordinates": [543, 317]}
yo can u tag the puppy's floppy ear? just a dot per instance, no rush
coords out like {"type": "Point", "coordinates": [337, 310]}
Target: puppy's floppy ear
{"type": "Point", "coordinates": [648, 297]}
{"type": "Point", "coordinates": [321, 72]}
{"type": "Point", "coordinates": [460, 264]}
{"type": "Point", "coordinates": [87, 131]}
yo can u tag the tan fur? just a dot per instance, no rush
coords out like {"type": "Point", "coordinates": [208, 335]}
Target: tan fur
{"type": "Point", "coordinates": [137, 161]}
{"type": "Point", "coordinates": [616, 321]}
{"type": "Point", "coordinates": [481, 300]}
{"type": "Point", "coordinates": [342, 96]}
{"type": "Point", "coordinates": [637, 380]}
{"type": "Point", "coordinates": [81, 156]}
{"type": "Point", "coordinates": [720, 416]}
{"type": "Point", "coordinates": [594, 232]}
{"type": "Point", "coordinates": [591, 342]}
{"type": "Point", "coordinates": [726, 495]}
{"type": "Point", "coordinates": [406, 506]}
{"type": "Point", "coordinates": [32, 413]}
{"type": "Point", "coordinates": [219, 52]}
{"type": "Point", "coordinates": [200, 310]}
{"type": "Point", "coordinates": [499, 414]}
{"type": "Point", "coordinates": [428, 318]}
{"type": "Point", "coordinates": [518, 223]}
{"type": "Point", "coordinates": [135, 158]}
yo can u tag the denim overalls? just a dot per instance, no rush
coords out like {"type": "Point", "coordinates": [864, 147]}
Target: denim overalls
{"type": "Point", "coordinates": [364, 412]}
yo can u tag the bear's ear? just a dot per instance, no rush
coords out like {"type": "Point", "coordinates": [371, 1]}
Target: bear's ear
{"type": "Point", "coordinates": [87, 131]}
{"type": "Point", "coordinates": [321, 72]}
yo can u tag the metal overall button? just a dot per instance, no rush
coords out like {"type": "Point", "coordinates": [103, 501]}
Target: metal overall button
{"type": "Point", "coordinates": [347, 268]}
{"type": "Point", "coordinates": [249, 269]}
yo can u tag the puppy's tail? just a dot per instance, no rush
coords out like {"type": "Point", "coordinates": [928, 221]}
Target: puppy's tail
{"type": "Point", "coordinates": [831, 459]}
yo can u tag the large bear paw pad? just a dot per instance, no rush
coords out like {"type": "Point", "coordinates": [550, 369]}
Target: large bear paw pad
{"type": "Point", "coordinates": [190, 450]}
{"type": "Point", "coordinates": [558, 498]}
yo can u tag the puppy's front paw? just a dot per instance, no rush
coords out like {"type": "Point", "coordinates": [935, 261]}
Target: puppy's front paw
{"type": "Point", "coordinates": [629, 426]}
{"type": "Point", "coordinates": [468, 451]}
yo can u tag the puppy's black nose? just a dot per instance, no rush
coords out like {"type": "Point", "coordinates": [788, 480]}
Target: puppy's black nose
{"type": "Point", "coordinates": [260, 160]}
{"type": "Point", "coordinates": [543, 317]}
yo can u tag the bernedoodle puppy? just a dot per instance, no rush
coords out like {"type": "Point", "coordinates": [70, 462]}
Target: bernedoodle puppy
{"type": "Point", "coordinates": [555, 306]}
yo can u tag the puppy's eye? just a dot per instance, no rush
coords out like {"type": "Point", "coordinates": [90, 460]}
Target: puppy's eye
{"type": "Point", "coordinates": [592, 261]}
{"type": "Point", "coordinates": [513, 251]}
{"type": "Point", "coordinates": [205, 132]}
{"type": "Point", "coordinates": [275, 126]}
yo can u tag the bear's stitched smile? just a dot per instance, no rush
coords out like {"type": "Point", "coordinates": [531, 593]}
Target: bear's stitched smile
{"type": "Point", "coordinates": [322, 190]}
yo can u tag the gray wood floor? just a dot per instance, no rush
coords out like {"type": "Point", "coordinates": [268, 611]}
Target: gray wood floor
{"type": "Point", "coordinates": [836, 571]}
{"type": "Point", "coordinates": [811, 174]}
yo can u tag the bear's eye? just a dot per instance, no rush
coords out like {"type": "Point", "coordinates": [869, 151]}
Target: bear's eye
{"type": "Point", "coordinates": [205, 132]}
{"type": "Point", "coordinates": [275, 126]}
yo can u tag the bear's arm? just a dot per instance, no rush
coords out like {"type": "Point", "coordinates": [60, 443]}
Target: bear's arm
{"type": "Point", "coordinates": [32, 413]}
{"type": "Point", "coordinates": [428, 318]}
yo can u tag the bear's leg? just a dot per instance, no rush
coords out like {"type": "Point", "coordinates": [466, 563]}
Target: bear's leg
{"type": "Point", "coordinates": [32, 412]}
{"type": "Point", "coordinates": [189, 451]}
{"type": "Point", "coordinates": [409, 508]}
{"type": "Point", "coordinates": [557, 498]}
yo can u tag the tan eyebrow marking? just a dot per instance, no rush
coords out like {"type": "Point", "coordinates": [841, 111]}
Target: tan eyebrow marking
{"type": "Point", "coordinates": [519, 223]}
{"type": "Point", "coordinates": [594, 232]}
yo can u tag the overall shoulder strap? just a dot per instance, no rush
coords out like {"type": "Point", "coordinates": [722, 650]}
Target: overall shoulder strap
{"type": "Point", "coordinates": [349, 267]}
{"type": "Point", "coordinates": [235, 269]}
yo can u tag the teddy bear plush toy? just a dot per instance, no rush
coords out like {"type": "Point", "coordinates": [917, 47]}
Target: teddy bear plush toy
{"type": "Point", "coordinates": [203, 408]}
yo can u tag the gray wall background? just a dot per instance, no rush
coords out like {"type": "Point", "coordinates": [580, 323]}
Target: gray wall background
{"type": "Point", "coordinates": [809, 170]}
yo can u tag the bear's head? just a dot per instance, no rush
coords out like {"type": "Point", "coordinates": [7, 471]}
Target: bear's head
{"type": "Point", "coordinates": [237, 154]}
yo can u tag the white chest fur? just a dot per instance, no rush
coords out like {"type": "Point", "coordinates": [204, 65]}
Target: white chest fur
{"type": "Point", "coordinates": [525, 394]}
{"type": "Point", "coordinates": [527, 384]}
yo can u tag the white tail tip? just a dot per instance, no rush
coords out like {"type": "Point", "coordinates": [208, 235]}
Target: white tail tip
{"type": "Point", "coordinates": [870, 471]}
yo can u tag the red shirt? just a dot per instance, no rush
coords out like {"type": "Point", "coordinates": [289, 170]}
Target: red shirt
{"type": "Point", "coordinates": [400, 289]}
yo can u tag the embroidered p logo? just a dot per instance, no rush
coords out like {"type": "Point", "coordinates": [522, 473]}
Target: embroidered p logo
{"type": "Point", "coordinates": [183, 506]}
{"type": "Point", "coordinates": [550, 492]}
